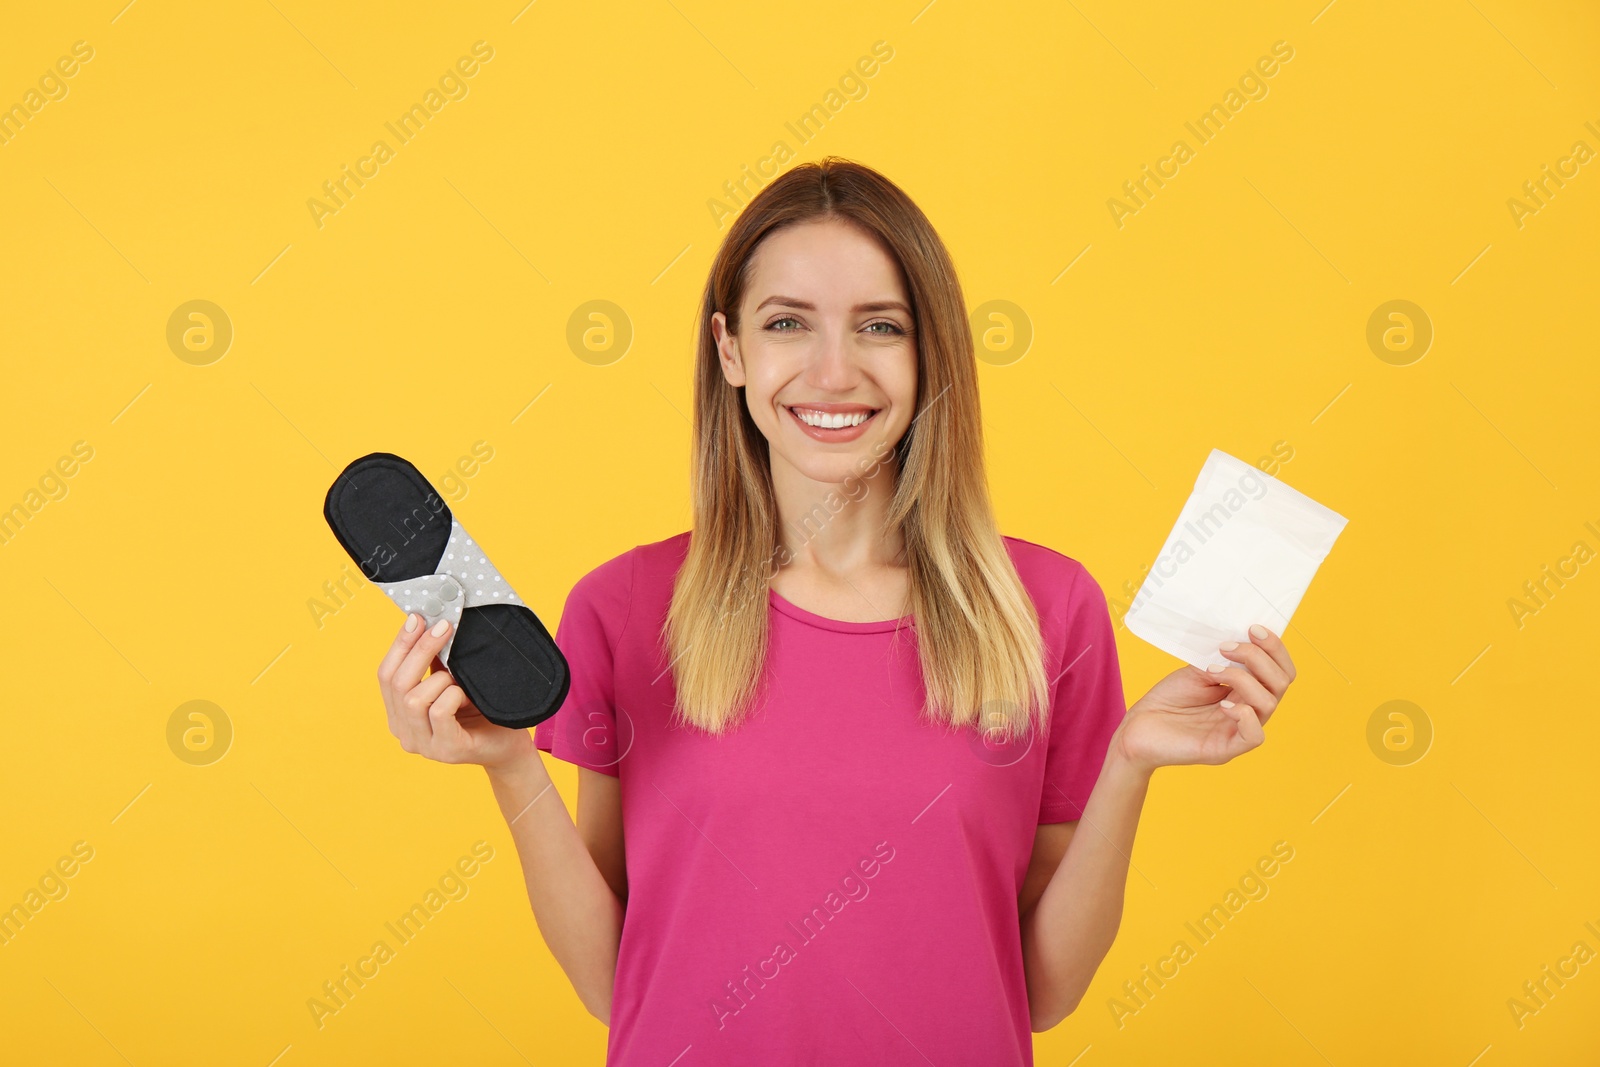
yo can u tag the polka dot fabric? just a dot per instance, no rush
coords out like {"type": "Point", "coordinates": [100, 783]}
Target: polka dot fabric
{"type": "Point", "coordinates": [463, 579]}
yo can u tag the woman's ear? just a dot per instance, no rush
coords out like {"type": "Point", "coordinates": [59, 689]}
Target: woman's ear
{"type": "Point", "coordinates": [727, 350]}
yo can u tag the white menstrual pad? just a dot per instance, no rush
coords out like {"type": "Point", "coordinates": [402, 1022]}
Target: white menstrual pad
{"type": "Point", "coordinates": [1244, 550]}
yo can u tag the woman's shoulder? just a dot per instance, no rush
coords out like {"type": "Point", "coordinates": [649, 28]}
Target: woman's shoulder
{"type": "Point", "coordinates": [638, 567]}
{"type": "Point", "coordinates": [1041, 559]}
{"type": "Point", "coordinates": [1055, 580]}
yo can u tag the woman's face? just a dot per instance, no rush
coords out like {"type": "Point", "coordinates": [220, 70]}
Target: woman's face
{"type": "Point", "coordinates": [825, 350]}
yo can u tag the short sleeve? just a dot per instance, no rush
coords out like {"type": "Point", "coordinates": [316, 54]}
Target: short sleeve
{"type": "Point", "coordinates": [1087, 703]}
{"type": "Point", "coordinates": [585, 730]}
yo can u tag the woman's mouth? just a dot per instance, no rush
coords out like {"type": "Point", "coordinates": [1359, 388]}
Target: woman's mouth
{"type": "Point", "coordinates": [833, 423]}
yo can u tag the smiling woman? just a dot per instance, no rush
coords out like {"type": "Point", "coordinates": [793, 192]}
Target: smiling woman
{"type": "Point", "coordinates": [809, 318]}
{"type": "Point", "coordinates": [754, 698]}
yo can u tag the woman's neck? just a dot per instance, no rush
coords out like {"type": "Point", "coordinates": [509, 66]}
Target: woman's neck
{"type": "Point", "coordinates": [837, 560]}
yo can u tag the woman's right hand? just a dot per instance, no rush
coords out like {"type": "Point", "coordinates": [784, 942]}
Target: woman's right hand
{"type": "Point", "coordinates": [432, 715]}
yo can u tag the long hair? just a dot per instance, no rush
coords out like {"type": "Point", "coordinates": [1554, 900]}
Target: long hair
{"type": "Point", "coordinates": [976, 628]}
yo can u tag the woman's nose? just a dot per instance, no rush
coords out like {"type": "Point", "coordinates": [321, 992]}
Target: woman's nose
{"type": "Point", "coordinates": [833, 367]}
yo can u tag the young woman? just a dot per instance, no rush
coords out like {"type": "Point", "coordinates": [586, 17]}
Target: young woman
{"type": "Point", "coordinates": [857, 780]}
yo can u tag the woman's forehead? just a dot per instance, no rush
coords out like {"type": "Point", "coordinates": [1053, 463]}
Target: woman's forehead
{"type": "Point", "coordinates": [828, 264]}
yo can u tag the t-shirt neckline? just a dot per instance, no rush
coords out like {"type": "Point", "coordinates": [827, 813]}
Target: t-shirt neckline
{"type": "Point", "coordinates": [795, 611]}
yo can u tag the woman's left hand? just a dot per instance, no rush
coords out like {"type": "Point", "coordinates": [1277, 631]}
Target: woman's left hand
{"type": "Point", "coordinates": [1198, 716]}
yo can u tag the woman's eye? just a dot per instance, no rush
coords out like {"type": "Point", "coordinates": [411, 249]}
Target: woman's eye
{"type": "Point", "coordinates": [778, 325]}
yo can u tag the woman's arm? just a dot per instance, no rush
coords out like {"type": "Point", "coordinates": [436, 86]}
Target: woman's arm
{"type": "Point", "coordinates": [1190, 716]}
{"type": "Point", "coordinates": [575, 880]}
{"type": "Point", "coordinates": [1070, 928]}
{"type": "Point", "coordinates": [574, 873]}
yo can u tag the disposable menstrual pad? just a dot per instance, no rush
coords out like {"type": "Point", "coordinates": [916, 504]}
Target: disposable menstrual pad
{"type": "Point", "coordinates": [407, 542]}
{"type": "Point", "coordinates": [1244, 550]}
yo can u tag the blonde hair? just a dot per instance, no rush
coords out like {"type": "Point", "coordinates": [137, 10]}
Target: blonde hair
{"type": "Point", "coordinates": [977, 630]}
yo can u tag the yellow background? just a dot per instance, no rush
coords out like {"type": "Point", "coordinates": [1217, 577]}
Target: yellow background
{"type": "Point", "coordinates": [429, 312]}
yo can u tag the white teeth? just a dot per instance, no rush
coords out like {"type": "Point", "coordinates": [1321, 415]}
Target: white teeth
{"type": "Point", "coordinates": [830, 422]}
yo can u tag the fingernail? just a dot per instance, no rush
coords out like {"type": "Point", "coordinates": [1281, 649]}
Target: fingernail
{"type": "Point", "coordinates": [438, 631]}
{"type": "Point", "coordinates": [1227, 703]}
{"type": "Point", "coordinates": [411, 623]}
{"type": "Point", "coordinates": [1230, 646]}
{"type": "Point", "coordinates": [1260, 631]}
{"type": "Point", "coordinates": [1216, 668]}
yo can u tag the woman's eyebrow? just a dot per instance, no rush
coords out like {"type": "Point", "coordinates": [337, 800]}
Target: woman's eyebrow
{"type": "Point", "coordinates": [806, 305]}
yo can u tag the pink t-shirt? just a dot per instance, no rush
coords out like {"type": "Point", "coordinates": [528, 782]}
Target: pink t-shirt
{"type": "Point", "coordinates": [834, 881]}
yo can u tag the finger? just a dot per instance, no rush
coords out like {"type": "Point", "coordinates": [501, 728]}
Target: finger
{"type": "Point", "coordinates": [409, 632]}
{"type": "Point", "coordinates": [438, 665]}
{"type": "Point", "coordinates": [412, 710]}
{"type": "Point", "coordinates": [1260, 663]}
{"type": "Point", "coordinates": [1246, 687]}
{"type": "Point", "coordinates": [1204, 676]}
{"type": "Point", "coordinates": [1273, 645]}
{"type": "Point", "coordinates": [466, 705]}
{"type": "Point", "coordinates": [425, 692]}
{"type": "Point", "coordinates": [447, 732]}
{"type": "Point", "coordinates": [422, 653]}
{"type": "Point", "coordinates": [1250, 732]}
